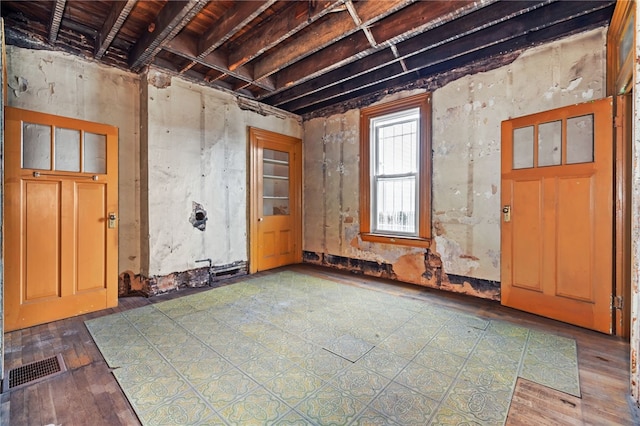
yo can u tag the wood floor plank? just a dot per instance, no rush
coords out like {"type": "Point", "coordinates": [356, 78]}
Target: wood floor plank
{"type": "Point", "coordinates": [89, 394]}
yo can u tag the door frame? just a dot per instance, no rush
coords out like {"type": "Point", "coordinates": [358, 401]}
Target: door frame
{"type": "Point", "coordinates": [257, 137]}
{"type": "Point", "coordinates": [620, 67]}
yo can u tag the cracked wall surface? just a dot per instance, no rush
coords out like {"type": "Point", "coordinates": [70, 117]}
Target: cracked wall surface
{"type": "Point", "coordinates": [467, 113]}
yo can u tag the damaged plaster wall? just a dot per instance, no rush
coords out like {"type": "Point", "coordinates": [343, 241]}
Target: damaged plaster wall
{"type": "Point", "coordinates": [197, 147]}
{"type": "Point", "coordinates": [467, 115]}
{"type": "Point", "coordinates": [61, 84]}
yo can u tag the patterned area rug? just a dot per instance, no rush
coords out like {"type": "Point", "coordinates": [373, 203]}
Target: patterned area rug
{"type": "Point", "coordinates": [290, 348]}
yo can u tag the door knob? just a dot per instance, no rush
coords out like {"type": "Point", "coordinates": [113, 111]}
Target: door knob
{"type": "Point", "coordinates": [260, 219]}
{"type": "Point", "coordinates": [112, 220]}
{"type": "Point", "coordinates": [506, 213]}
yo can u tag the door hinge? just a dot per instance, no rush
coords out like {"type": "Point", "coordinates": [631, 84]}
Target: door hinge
{"type": "Point", "coordinates": [617, 302]}
{"type": "Point", "coordinates": [617, 121]}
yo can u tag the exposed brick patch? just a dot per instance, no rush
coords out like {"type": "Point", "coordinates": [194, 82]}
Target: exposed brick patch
{"type": "Point", "coordinates": [159, 284]}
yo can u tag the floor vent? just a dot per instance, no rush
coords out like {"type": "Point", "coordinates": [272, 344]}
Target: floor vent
{"type": "Point", "coordinates": [33, 372]}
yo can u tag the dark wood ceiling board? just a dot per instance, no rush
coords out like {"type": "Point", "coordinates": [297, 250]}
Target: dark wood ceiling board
{"type": "Point", "coordinates": [490, 57]}
{"type": "Point", "coordinates": [327, 30]}
{"type": "Point", "coordinates": [80, 28]}
{"type": "Point", "coordinates": [210, 74]}
{"type": "Point", "coordinates": [419, 17]}
{"type": "Point", "coordinates": [116, 57]}
{"type": "Point", "coordinates": [234, 19]}
{"type": "Point", "coordinates": [187, 47]}
{"type": "Point", "coordinates": [198, 78]}
{"type": "Point", "coordinates": [372, 11]}
{"type": "Point", "coordinates": [89, 13]}
{"type": "Point", "coordinates": [75, 42]}
{"type": "Point", "coordinates": [171, 19]}
{"type": "Point", "coordinates": [178, 61]}
{"type": "Point", "coordinates": [358, 21]}
{"type": "Point", "coordinates": [349, 71]}
{"type": "Point", "coordinates": [348, 50]}
{"type": "Point", "coordinates": [499, 33]}
{"type": "Point", "coordinates": [143, 13]}
{"type": "Point", "coordinates": [119, 12]}
{"type": "Point", "coordinates": [468, 24]}
{"type": "Point", "coordinates": [347, 86]}
{"type": "Point", "coordinates": [333, 57]}
{"type": "Point", "coordinates": [273, 32]}
{"type": "Point", "coordinates": [540, 18]}
{"type": "Point", "coordinates": [208, 16]}
{"type": "Point", "coordinates": [160, 62]}
{"type": "Point", "coordinates": [56, 19]}
{"type": "Point", "coordinates": [33, 11]}
{"type": "Point", "coordinates": [256, 91]}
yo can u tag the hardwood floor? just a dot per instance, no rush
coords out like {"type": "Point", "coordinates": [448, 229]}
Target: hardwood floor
{"type": "Point", "coordinates": [87, 394]}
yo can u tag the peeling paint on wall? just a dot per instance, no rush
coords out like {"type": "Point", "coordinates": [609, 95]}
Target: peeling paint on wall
{"type": "Point", "coordinates": [468, 109]}
{"type": "Point", "coordinates": [63, 84]}
{"type": "Point", "coordinates": [195, 138]}
{"type": "Point", "coordinates": [424, 269]}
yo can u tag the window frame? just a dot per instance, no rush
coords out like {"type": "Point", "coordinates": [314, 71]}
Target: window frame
{"type": "Point", "coordinates": [423, 208]}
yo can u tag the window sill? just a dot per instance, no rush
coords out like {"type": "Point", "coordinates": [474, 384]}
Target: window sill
{"type": "Point", "coordinates": [402, 241]}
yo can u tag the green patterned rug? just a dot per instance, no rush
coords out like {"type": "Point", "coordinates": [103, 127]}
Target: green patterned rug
{"type": "Point", "coordinates": [290, 348]}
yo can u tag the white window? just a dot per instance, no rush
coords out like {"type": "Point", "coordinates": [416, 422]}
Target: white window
{"type": "Point", "coordinates": [395, 178]}
{"type": "Point", "coordinates": [395, 173]}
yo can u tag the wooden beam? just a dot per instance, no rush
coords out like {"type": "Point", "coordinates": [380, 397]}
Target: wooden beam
{"type": "Point", "coordinates": [356, 19]}
{"type": "Point", "coordinates": [187, 47]}
{"type": "Point", "coordinates": [117, 15]}
{"type": "Point", "coordinates": [171, 19]}
{"type": "Point", "coordinates": [438, 34]}
{"type": "Point", "coordinates": [397, 26]}
{"type": "Point", "coordinates": [422, 16]}
{"type": "Point", "coordinates": [326, 32]}
{"type": "Point", "coordinates": [351, 70]}
{"type": "Point", "coordinates": [279, 28]}
{"type": "Point", "coordinates": [476, 21]}
{"type": "Point", "coordinates": [56, 19]}
{"type": "Point", "coordinates": [233, 20]}
{"type": "Point", "coordinates": [507, 35]}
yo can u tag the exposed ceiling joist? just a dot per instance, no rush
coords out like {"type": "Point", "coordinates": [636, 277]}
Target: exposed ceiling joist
{"type": "Point", "coordinates": [119, 12]}
{"type": "Point", "coordinates": [417, 59]}
{"type": "Point", "coordinates": [289, 22]}
{"type": "Point", "coordinates": [302, 56]}
{"type": "Point", "coordinates": [172, 18]}
{"type": "Point", "coordinates": [56, 19]}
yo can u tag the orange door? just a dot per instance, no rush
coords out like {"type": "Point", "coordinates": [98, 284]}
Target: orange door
{"type": "Point", "coordinates": [61, 246]}
{"type": "Point", "coordinates": [276, 218]}
{"type": "Point", "coordinates": [557, 217]}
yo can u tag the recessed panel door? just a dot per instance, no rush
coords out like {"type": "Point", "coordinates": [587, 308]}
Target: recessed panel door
{"type": "Point", "coordinates": [276, 200]}
{"type": "Point", "coordinates": [557, 214]}
{"type": "Point", "coordinates": [61, 217]}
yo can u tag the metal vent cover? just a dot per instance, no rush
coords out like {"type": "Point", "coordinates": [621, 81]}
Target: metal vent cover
{"type": "Point", "coordinates": [33, 372]}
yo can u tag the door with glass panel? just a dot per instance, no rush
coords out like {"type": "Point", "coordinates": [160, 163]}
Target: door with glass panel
{"type": "Point", "coordinates": [276, 202]}
{"type": "Point", "coordinates": [557, 214]}
{"type": "Point", "coordinates": [61, 205]}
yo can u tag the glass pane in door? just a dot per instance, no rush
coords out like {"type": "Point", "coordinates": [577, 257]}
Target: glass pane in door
{"type": "Point", "coordinates": [550, 144]}
{"type": "Point", "coordinates": [523, 148]}
{"type": "Point", "coordinates": [36, 146]}
{"type": "Point", "coordinates": [275, 183]}
{"type": "Point", "coordinates": [95, 153]}
{"type": "Point", "coordinates": [67, 149]}
{"type": "Point", "coordinates": [580, 139]}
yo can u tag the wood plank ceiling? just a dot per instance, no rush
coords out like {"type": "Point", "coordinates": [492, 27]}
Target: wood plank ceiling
{"type": "Point", "coordinates": [307, 57]}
